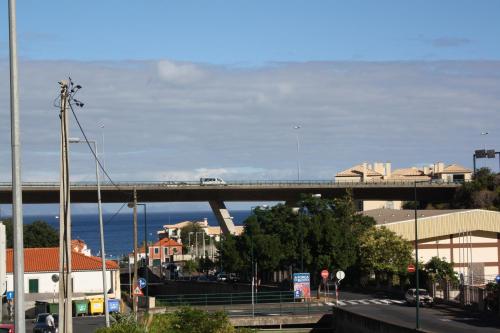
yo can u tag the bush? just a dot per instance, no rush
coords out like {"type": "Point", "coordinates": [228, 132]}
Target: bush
{"type": "Point", "coordinates": [123, 324]}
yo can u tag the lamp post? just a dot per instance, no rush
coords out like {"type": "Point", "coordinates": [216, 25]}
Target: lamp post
{"type": "Point", "coordinates": [146, 248]}
{"type": "Point", "coordinates": [254, 267]}
{"type": "Point", "coordinates": [101, 226]}
{"type": "Point", "coordinates": [297, 127]}
{"type": "Point", "coordinates": [417, 297]}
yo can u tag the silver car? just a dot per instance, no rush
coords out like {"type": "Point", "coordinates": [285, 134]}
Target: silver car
{"type": "Point", "coordinates": [423, 295]}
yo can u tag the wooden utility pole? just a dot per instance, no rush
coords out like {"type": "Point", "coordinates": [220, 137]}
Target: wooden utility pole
{"type": "Point", "coordinates": [134, 284]}
{"type": "Point", "coordinates": [65, 279]}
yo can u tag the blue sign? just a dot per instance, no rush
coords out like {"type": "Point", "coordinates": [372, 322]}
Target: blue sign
{"type": "Point", "coordinates": [301, 285]}
{"type": "Point", "coordinates": [10, 295]}
{"type": "Point", "coordinates": [142, 283]}
{"type": "Point", "coordinates": [497, 278]}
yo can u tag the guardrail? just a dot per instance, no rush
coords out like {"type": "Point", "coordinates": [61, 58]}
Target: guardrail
{"type": "Point", "coordinates": [250, 183]}
{"type": "Point", "coordinates": [224, 298]}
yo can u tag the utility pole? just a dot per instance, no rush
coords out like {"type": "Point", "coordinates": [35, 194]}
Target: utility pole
{"type": "Point", "coordinates": [17, 200]}
{"type": "Point", "coordinates": [65, 279]}
{"type": "Point", "coordinates": [135, 252]}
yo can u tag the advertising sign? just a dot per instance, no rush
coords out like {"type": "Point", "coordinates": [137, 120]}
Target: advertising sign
{"type": "Point", "coordinates": [301, 285]}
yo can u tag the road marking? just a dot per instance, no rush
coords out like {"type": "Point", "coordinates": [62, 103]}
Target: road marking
{"type": "Point", "coordinates": [363, 301]}
{"type": "Point", "coordinates": [375, 301]}
{"type": "Point", "coordinates": [385, 301]}
{"type": "Point", "coordinates": [397, 301]}
{"type": "Point", "coordinates": [341, 303]}
{"type": "Point", "coordinates": [352, 302]}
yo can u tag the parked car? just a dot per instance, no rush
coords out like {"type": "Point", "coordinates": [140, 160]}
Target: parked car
{"type": "Point", "coordinates": [41, 325]}
{"type": "Point", "coordinates": [7, 328]}
{"type": "Point", "coordinates": [424, 297]}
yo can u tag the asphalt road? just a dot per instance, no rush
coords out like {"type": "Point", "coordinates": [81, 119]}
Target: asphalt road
{"type": "Point", "coordinates": [440, 318]}
{"type": "Point", "coordinates": [80, 324]}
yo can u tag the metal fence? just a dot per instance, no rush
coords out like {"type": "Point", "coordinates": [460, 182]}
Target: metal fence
{"type": "Point", "coordinates": [224, 298]}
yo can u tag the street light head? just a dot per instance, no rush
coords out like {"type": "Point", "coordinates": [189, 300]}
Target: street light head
{"type": "Point", "coordinates": [130, 205]}
{"type": "Point", "coordinates": [484, 133]}
{"type": "Point", "coordinates": [74, 140]}
{"type": "Point", "coordinates": [296, 127]}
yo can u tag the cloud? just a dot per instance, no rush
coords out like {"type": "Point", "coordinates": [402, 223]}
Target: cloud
{"type": "Point", "coordinates": [166, 120]}
{"type": "Point", "coordinates": [444, 42]}
{"type": "Point", "coordinates": [179, 73]}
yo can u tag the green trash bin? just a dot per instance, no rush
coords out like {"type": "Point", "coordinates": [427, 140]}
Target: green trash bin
{"type": "Point", "coordinates": [41, 307]}
{"type": "Point", "coordinates": [80, 307]}
{"type": "Point", "coordinates": [54, 308]}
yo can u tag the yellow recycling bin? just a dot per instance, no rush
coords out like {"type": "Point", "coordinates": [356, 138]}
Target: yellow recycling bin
{"type": "Point", "coordinates": [96, 306]}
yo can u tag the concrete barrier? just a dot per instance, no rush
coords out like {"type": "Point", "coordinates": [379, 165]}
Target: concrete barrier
{"type": "Point", "coordinates": [350, 322]}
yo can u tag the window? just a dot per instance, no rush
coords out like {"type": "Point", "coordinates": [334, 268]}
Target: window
{"type": "Point", "coordinates": [156, 250]}
{"type": "Point", "coordinates": [33, 286]}
{"type": "Point", "coordinates": [165, 251]}
{"type": "Point", "coordinates": [156, 262]}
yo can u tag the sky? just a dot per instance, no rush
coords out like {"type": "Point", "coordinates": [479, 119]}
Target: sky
{"type": "Point", "coordinates": [177, 90]}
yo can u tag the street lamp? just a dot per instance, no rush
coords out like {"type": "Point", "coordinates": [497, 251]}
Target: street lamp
{"type": "Point", "coordinates": [101, 226]}
{"type": "Point", "coordinates": [297, 127]}
{"type": "Point", "coordinates": [254, 268]}
{"type": "Point", "coordinates": [146, 248]}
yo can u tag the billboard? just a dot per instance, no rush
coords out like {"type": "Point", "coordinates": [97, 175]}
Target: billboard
{"type": "Point", "coordinates": [301, 285]}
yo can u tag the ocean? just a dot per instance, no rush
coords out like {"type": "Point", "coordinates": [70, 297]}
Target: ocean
{"type": "Point", "coordinates": [118, 231]}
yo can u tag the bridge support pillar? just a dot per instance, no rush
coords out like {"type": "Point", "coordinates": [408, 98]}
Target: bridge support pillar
{"type": "Point", "coordinates": [223, 217]}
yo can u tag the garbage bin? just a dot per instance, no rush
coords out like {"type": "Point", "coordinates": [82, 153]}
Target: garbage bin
{"type": "Point", "coordinates": [80, 307]}
{"type": "Point", "coordinates": [54, 308]}
{"type": "Point", "coordinates": [41, 307]}
{"type": "Point", "coordinates": [96, 306]}
{"type": "Point", "coordinates": [113, 305]}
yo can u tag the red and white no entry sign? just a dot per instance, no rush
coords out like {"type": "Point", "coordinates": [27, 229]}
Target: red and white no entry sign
{"type": "Point", "coordinates": [324, 274]}
{"type": "Point", "coordinates": [411, 268]}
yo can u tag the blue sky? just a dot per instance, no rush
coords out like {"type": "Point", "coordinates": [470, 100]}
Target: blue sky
{"type": "Point", "coordinates": [247, 33]}
{"type": "Point", "coordinates": [187, 89]}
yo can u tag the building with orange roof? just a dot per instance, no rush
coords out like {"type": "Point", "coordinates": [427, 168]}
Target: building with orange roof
{"type": "Point", "coordinates": [41, 264]}
{"type": "Point", "coordinates": [163, 251]}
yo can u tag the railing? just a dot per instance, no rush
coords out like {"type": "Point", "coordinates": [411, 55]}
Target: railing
{"type": "Point", "coordinates": [290, 183]}
{"type": "Point", "coordinates": [224, 298]}
{"type": "Point", "coordinates": [240, 304]}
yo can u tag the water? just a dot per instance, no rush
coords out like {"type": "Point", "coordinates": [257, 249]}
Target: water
{"type": "Point", "coordinates": [118, 232]}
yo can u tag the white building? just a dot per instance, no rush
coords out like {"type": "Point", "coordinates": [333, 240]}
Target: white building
{"type": "Point", "coordinates": [470, 238]}
{"type": "Point", "coordinates": [173, 231]}
{"type": "Point", "coordinates": [40, 264]}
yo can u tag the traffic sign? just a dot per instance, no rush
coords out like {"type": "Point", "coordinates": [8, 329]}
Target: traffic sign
{"type": "Point", "coordinates": [138, 291]}
{"type": "Point", "coordinates": [141, 283]}
{"type": "Point", "coordinates": [324, 274]}
{"type": "Point", "coordinates": [497, 278]}
{"type": "Point", "coordinates": [10, 295]}
{"type": "Point", "coordinates": [340, 275]}
{"type": "Point", "coordinates": [411, 268]}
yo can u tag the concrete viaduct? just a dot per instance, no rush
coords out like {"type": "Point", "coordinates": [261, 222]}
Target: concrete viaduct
{"type": "Point", "coordinates": [216, 195]}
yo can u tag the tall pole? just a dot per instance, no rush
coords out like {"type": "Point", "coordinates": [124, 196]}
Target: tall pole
{"type": "Point", "coordinates": [417, 319]}
{"type": "Point", "coordinates": [65, 276]}
{"type": "Point", "coordinates": [297, 127]}
{"type": "Point", "coordinates": [17, 200]}
{"type": "Point", "coordinates": [135, 250]}
{"type": "Point", "coordinates": [101, 230]}
{"type": "Point", "coordinates": [146, 249]}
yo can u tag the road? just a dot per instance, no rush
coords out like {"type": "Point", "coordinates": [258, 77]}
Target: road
{"type": "Point", "coordinates": [80, 324]}
{"type": "Point", "coordinates": [440, 318]}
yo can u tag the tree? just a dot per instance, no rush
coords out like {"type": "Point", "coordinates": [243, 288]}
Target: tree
{"type": "Point", "coordinates": [482, 192]}
{"type": "Point", "coordinates": [193, 228]}
{"type": "Point", "coordinates": [440, 269]}
{"type": "Point", "coordinates": [190, 267]}
{"type": "Point", "coordinates": [36, 234]}
{"type": "Point", "coordinates": [381, 250]}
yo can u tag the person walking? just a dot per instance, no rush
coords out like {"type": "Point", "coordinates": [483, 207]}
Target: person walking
{"type": "Point", "coordinates": [49, 321]}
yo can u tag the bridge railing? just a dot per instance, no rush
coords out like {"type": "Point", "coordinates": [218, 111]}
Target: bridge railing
{"type": "Point", "coordinates": [284, 183]}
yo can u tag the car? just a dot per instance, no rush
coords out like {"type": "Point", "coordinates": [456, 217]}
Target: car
{"type": "Point", "coordinates": [221, 277]}
{"type": "Point", "coordinates": [7, 328]}
{"type": "Point", "coordinates": [212, 181]}
{"type": "Point", "coordinates": [423, 294]}
{"type": "Point", "coordinates": [41, 326]}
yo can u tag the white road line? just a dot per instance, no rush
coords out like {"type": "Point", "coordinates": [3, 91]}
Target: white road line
{"type": "Point", "coordinates": [397, 301]}
{"type": "Point", "coordinates": [385, 301]}
{"type": "Point", "coordinates": [341, 303]}
{"type": "Point", "coordinates": [363, 301]}
{"type": "Point", "coordinates": [375, 301]}
{"type": "Point", "coordinates": [352, 302]}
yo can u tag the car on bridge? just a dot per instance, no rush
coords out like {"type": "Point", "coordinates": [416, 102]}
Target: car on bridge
{"type": "Point", "coordinates": [423, 295]}
{"type": "Point", "coordinates": [212, 181]}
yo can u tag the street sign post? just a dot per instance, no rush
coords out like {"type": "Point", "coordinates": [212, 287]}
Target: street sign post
{"type": "Point", "coordinates": [9, 295]}
{"type": "Point", "coordinates": [340, 275]}
{"type": "Point", "coordinates": [324, 274]}
{"type": "Point", "coordinates": [411, 268]}
{"type": "Point", "coordinates": [138, 291]}
{"type": "Point", "coordinates": [142, 283]}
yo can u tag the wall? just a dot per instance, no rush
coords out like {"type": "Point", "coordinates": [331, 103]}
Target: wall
{"type": "Point", "coordinates": [83, 282]}
{"type": "Point", "coordinates": [345, 321]}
